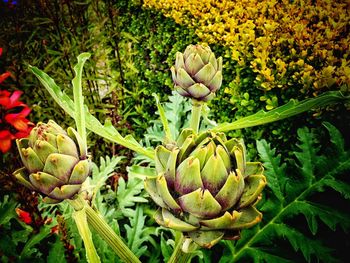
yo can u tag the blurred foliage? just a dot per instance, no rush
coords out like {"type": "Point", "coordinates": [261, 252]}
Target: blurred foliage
{"type": "Point", "coordinates": [285, 43]}
{"type": "Point", "coordinates": [132, 50]}
{"type": "Point", "coordinates": [273, 51]}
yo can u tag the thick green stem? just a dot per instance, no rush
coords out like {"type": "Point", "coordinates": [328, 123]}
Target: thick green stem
{"type": "Point", "coordinates": [84, 231]}
{"type": "Point", "coordinates": [103, 229]}
{"type": "Point", "coordinates": [179, 256]}
{"type": "Point", "coordinates": [196, 115]}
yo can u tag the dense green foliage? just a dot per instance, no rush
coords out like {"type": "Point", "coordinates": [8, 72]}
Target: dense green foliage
{"type": "Point", "coordinates": [132, 50]}
{"type": "Point", "coordinates": [306, 208]}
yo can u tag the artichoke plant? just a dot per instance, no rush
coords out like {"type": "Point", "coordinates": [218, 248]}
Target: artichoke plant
{"type": "Point", "coordinates": [205, 188]}
{"type": "Point", "coordinates": [55, 162]}
{"type": "Point", "coordinates": [197, 73]}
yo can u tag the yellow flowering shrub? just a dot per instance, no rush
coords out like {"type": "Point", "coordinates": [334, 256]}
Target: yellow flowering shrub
{"type": "Point", "coordinates": [286, 42]}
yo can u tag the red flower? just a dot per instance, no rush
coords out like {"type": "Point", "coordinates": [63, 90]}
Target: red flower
{"type": "Point", "coordinates": [4, 76]}
{"type": "Point", "coordinates": [24, 216]}
{"type": "Point", "coordinates": [5, 140]}
{"type": "Point", "coordinates": [13, 121]}
{"type": "Point", "coordinates": [13, 113]}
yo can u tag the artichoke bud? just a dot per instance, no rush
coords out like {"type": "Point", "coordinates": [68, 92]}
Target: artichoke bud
{"type": "Point", "coordinates": [197, 73]}
{"type": "Point", "coordinates": [55, 162]}
{"type": "Point", "coordinates": [205, 188]}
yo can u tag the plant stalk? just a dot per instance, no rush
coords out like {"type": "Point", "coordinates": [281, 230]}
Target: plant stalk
{"type": "Point", "coordinates": [84, 231]}
{"type": "Point", "coordinates": [196, 115]}
{"type": "Point", "coordinates": [179, 256]}
{"type": "Point", "coordinates": [105, 231]}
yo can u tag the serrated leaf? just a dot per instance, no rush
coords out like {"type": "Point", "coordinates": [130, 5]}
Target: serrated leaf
{"type": "Point", "coordinates": [135, 233]}
{"type": "Point", "coordinates": [336, 137]}
{"type": "Point", "coordinates": [128, 195]}
{"type": "Point", "coordinates": [29, 247]}
{"type": "Point", "coordinates": [56, 251]}
{"type": "Point", "coordinates": [275, 171]}
{"type": "Point", "coordinates": [312, 211]}
{"type": "Point", "coordinates": [7, 209]}
{"type": "Point", "coordinates": [339, 186]}
{"type": "Point", "coordinates": [311, 166]}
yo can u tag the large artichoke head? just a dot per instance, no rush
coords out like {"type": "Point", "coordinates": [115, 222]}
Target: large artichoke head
{"type": "Point", "coordinates": [197, 73]}
{"type": "Point", "coordinates": [55, 162]}
{"type": "Point", "coordinates": [205, 188]}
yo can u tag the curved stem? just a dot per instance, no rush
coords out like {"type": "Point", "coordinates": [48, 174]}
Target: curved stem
{"type": "Point", "coordinates": [196, 115]}
{"type": "Point", "coordinates": [179, 256]}
{"type": "Point", "coordinates": [84, 231]}
{"type": "Point", "coordinates": [105, 231]}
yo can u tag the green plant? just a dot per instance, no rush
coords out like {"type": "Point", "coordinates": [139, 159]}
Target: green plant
{"type": "Point", "coordinates": [292, 190]}
{"type": "Point", "coordinates": [85, 214]}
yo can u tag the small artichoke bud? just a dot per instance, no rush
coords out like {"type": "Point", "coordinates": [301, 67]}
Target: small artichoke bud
{"type": "Point", "coordinates": [205, 188]}
{"type": "Point", "coordinates": [55, 162]}
{"type": "Point", "coordinates": [197, 74]}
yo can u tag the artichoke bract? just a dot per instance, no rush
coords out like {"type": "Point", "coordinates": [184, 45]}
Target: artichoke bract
{"type": "Point", "coordinates": [205, 188]}
{"type": "Point", "coordinates": [55, 162]}
{"type": "Point", "coordinates": [197, 73]}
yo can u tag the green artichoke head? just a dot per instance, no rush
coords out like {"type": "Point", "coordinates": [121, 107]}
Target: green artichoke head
{"type": "Point", "coordinates": [197, 73]}
{"type": "Point", "coordinates": [205, 188]}
{"type": "Point", "coordinates": [55, 162]}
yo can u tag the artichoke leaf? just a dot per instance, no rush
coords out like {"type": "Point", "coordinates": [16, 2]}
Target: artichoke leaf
{"type": "Point", "coordinates": [80, 172]}
{"type": "Point", "coordinates": [171, 167]}
{"type": "Point", "coordinates": [225, 156]}
{"type": "Point", "coordinates": [50, 201]}
{"type": "Point", "coordinates": [188, 176]}
{"type": "Point", "coordinates": [175, 223]}
{"type": "Point", "coordinates": [179, 60]}
{"type": "Point", "coordinates": [198, 90]}
{"type": "Point", "coordinates": [206, 239]}
{"type": "Point", "coordinates": [44, 182]}
{"type": "Point", "coordinates": [29, 158]}
{"type": "Point", "coordinates": [223, 222]}
{"type": "Point", "coordinates": [214, 174]}
{"type": "Point", "coordinates": [151, 188]}
{"type": "Point", "coordinates": [231, 191]}
{"type": "Point", "coordinates": [213, 61]}
{"type": "Point", "coordinates": [202, 138]}
{"type": "Point", "coordinates": [200, 203]}
{"type": "Point", "coordinates": [254, 184]}
{"type": "Point", "coordinates": [216, 82]}
{"type": "Point", "coordinates": [65, 191]}
{"type": "Point", "coordinates": [249, 217]}
{"type": "Point", "coordinates": [163, 191]}
{"type": "Point", "coordinates": [183, 79]}
{"type": "Point", "coordinates": [183, 136]}
{"type": "Point", "coordinates": [181, 91]}
{"type": "Point", "coordinates": [200, 153]}
{"type": "Point", "coordinates": [23, 177]}
{"type": "Point", "coordinates": [43, 149]}
{"type": "Point", "coordinates": [238, 154]}
{"type": "Point", "coordinates": [206, 74]}
{"type": "Point", "coordinates": [171, 221]}
{"type": "Point", "coordinates": [66, 145]}
{"type": "Point", "coordinates": [77, 138]}
{"type": "Point", "coordinates": [162, 155]}
{"type": "Point", "coordinates": [60, 166]}
{"type": "Point", "coordinates": [194, 63]}
{"type": "Point", "coordinates": [253, 168]}
{"type": "Point", "coordinates": [186, 148]}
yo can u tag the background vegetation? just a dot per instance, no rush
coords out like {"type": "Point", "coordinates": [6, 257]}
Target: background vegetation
{"type": "Point", "coordinates": [273, 51]}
